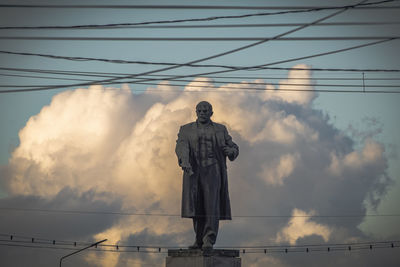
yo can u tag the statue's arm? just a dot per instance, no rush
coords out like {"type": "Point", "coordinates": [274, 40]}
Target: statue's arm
{"type": "Point", "coordinates": [233, 148]}
{"type": "Point", "coordinates": [182, 149]}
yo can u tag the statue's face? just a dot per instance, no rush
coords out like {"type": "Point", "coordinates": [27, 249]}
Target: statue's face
{"type": "Point", "coordinates": [203, 113]}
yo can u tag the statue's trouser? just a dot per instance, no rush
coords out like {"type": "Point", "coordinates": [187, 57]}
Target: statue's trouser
{"type": "Point", "coordinates": [208, 201]}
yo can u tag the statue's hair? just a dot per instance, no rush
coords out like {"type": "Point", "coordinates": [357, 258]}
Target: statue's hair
{"type": "Point", "coordinates": [201, 103]}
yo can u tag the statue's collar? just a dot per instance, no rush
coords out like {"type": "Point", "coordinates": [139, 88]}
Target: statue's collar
{"type": "Point", "coordinates": [198, 124]}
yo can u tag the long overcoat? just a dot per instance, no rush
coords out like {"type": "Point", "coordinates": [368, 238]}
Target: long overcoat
{"type": "Point", "coordinates": [187, 150]}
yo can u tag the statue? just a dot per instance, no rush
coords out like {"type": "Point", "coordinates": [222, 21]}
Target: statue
{"type": "Point", "coordinates": [202, 148]}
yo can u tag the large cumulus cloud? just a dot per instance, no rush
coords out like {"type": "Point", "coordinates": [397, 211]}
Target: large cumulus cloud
{"type": "Point", "coordinates": [119, 146]}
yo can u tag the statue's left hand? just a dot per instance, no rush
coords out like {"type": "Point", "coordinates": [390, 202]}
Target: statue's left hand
{"type": "Point", "coordinates": [228, 151]}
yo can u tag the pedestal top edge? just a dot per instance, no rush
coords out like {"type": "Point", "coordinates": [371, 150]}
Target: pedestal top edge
{"type": "Point", "coordinates": [206, 253]}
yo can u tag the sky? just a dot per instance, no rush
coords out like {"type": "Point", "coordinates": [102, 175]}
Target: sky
{"type": "Point", "coordinates": [92, 162]}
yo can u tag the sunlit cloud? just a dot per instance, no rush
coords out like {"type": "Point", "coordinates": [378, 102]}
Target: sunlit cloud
{"type": "Point", "coordinates": [300, 225]}
{"type": "Point", "coordinates": [279, 170]}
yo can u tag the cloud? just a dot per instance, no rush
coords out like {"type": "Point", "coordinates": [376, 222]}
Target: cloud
{"type": "Point", "coordinates": [279, 170]}
{"type": "Point", "coordinates": [52, 225]}
{"type": "Point", "coordinates": [301, 226]}
{"type": "Point", "coordinates": [357, 160]}
{"type": "Point", "coordinates": [59, 225]}
{"type": "Point", "coordinates": [298, 80]}
{"type": "Point", "coordinates": [119, 146]}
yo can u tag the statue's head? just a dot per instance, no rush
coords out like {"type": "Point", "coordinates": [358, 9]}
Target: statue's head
{"type": "Point", "coordinates": [204, 111]}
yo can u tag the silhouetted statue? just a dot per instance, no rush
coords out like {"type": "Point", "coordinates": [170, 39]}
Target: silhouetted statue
{"type": "Point", "coordinates": [202, 148]}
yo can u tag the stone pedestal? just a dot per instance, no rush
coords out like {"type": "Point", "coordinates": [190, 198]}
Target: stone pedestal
{"type": "Point", "coordinates": [199, 258]}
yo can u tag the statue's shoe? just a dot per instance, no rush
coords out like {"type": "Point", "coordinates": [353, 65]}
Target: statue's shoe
{"type": "Point", "coordinates": [207, 246]}
{"type": "Point", "coordinates": [195, 245]}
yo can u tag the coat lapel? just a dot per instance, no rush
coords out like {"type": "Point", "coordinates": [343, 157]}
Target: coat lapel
{"type": "Point", "coordinates": [194, 140]}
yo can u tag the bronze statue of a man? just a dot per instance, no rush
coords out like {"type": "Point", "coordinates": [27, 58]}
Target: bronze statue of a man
{"type": "Point", "coordinates": [202, 148]}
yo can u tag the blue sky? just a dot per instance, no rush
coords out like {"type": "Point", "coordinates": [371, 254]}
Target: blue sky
{"type": "Point", "coordinates": [356, 117]}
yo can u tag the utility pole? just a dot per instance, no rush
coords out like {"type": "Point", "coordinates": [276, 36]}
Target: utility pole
{"type": "Point", "coordinates": [92, 245]}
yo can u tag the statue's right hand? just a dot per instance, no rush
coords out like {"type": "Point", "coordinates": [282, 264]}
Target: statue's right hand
{"type": "Point", "coordinates": [187, 168]}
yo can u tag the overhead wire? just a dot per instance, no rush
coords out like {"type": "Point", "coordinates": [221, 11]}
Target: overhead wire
{"type": "Point", "coordinates": [30, 239]}
{"type": "Point", "coordinates": [223, 78]}
{"type": "Point", "coordinates": [214, 77]}
{"type": "Point", "coordinates": [115, 79]}
{"type": "Point", "coordinates": [223, 89]}
{"type": "Point", "coordinates": [279, 62]}
{"type": "Point", "coordinates": [363, 4]}
{"type": "Point", "coordinates": [224, 7]}
{"type": "Point", "coordinates": [197, 39]}
{"type": "Point", "coordinates": [45, 77]}
{"type": "Point", "coordinates": [139, 62]}
{"type": "Point", "coordinates": [75, 58]}
{"type": "Point", "coordinates": [297, 29]}
{"type": "Point", "coordinates": [141, 248]}
{"type": "Point", "coordinates": [156, 250]}
{"type": "Point", "coordinates": [204, 58]}
{"type": "Point", "coordinates": [248, 25]}
{"type": "Point", "coordinates": [75, 249]}
{"type": "Point", "coordinates": [112, 74]}
{"type": "Point", "coordinates": [230, 83]}
{"type": "Point", "coordinates": [261, 66]}
{"type": "Point", "coordinates": [127, 213]}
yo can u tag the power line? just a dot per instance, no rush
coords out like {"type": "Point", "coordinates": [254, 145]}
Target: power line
{"type": "Point", "coordinates": [197, 39]}
{"type": "Point", "coordinates": [127, 213]}
{"type": "Point", "coordinates": [30, 239]}
{"type": "Point", "coordinates": [75, 249]}
{"type": "Point", "coordinates": [223, 89]}
{"type": "Point", "coordinates": [223, 81]}
{"type": "Point", "coordinates": [122, 61]}
{"type": "Point", "coordinates": [324, 53]}
{"type": "Point", "coordinates": [269, 250]}
{"type": "Point", "coordinates": [112, 74]}
{"type": "Point", "coordinates": [113, 80]}
{"type": "Point", "coordinates": [224, 7]}
{"type": "Point", "coordinates": [258, 67]}
{"type": "Point", "coordinates": [45, 77]}
{"type": "Point", "coordinates": [116, 26]}
{"type": "Point", "coordinates": [37, 246]}
{"type": "Point", "coordinates": [118, 61]}
{"type": "Point", "coordinates": [213, 77]}
{"type": "Point", "coordinates": [193, 84]}
{"type": "Point", "coordinates": [177, 20]}
{"type": "Point", "coordinates": [294, 84]}
{"type": "Point", "coordinates": [210, 57]}
{"type": "Point", "coordinates": [55, 244]}
{"type": "Point", "coordinates": [362, 4]}
{"type": "Point", "coordinates": [205, 58]}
